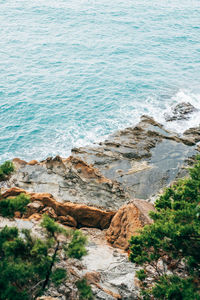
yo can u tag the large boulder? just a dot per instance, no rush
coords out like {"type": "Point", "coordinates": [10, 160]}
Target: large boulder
{"type": "Point", "coordinates": [127, 221]}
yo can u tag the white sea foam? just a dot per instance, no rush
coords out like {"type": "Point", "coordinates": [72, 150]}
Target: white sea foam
{"type": "Point", "coordinates": [194, 118]}
{"type": "Point", "coordinates": [74, 72]}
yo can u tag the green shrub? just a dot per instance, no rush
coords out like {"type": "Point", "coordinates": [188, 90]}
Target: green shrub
{"type": "Point", "coordinates": [10, 205]}
{"type": "Point", "coordinates": [58, 276]}
{"type": "Point", "coordinates": [171, 245]}
{"type": "Point", "coordinates": [76, 248]}
{"type": "Point", "coordinates": [27, 264]}
{"type": "Point", "coordinates": [21, 268]}
{"type": "Point", "coordinates": [85, 291]}
{"type": "Point", "coordinates": [6, 169]}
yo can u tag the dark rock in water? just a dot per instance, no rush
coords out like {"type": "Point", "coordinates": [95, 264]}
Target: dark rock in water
{"type": "Point", "coordinates": [181, 111]}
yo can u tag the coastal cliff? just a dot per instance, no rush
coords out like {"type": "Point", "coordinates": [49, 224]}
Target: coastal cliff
{"type": "Point", "coordinates": [107, 191]}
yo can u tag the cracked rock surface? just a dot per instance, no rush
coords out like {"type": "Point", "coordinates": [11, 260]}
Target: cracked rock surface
{"type": "Point", "coordinates": [136, 162]}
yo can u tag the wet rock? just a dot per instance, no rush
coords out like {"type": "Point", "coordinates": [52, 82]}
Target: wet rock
{"type": "Point", "coordinates": [181, 111]}
{"type": "Point", "coordinates": [19, 162]}
{"type": "Point", "coordinates": [143, 159]}
{"type": "Point", "coordinates": [127, 221]}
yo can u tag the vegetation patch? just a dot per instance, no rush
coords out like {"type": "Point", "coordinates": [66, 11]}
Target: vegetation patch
{"type": "Point", "coordinates": [9, 206]}
{"type": "Point", "coordinates": [6, 169]}
{"type": "Point", "coordinates": [28, 264]}
{"type": "Point", "coordinates": [168, 249]}
{"type": "Point", "coordinates": [85, 290]}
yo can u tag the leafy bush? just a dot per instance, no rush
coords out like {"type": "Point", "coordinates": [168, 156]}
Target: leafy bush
{"type": "Point", "coordinates": [10, 205]}
{"type": "Point", "coordinates": [6, 169]}
{"type": "Point", "coordinates": [84, 289]}
{"type": "Point", "coordinates": [168, 249]}
{"type": "Point", "coordinates": [27, 264]}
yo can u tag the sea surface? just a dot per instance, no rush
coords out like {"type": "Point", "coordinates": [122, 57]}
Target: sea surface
{"type": "Point", "coordinates": [72, 72]}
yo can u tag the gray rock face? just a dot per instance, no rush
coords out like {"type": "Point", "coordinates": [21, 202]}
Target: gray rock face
{"type": "Point", "coordinates": [69, 180]}
{"type": "Point", "coordinates": [181, 111]}
{"type": "Point", "coordinates": [143, 159]}
{"type": "Point", "coordinates": [115, 273]}
{"type": "Point", "coordinates": [136, 162]}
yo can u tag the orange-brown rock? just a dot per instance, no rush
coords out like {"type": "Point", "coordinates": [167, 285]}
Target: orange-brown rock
{"type": "Point", "coordinates": [34, 207]}
{"type": "Point", "coordinates": [88, 171]}
{"type": "Point", "coordinates": [13, 192]}
{"type": "Point", "coordinates": [17, 214]}
{"type": "Point", "coordinates": [19, 162]}
{"type": "Point", "coordinates": [35, 217]}
{"type": "Point", "coordinates": [92, 277]}
{"type": "Point", "coordinates": [68, 221]}
{"type": "Point", "coordinates": [84, 215]}
{"type": "Point", "coordinates": [50, 212]}
{"type": "Point", "coordinates": [47, 298]}
{"type": "Point", "coordinates": [32, 162]}
{"type": "Point", "coordinates": [127, 221]}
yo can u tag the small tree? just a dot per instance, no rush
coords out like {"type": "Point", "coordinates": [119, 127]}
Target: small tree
{"type": "Point", "coordinates": [27, 264]}
{"type": "Point", "coordinates": [169, 249]}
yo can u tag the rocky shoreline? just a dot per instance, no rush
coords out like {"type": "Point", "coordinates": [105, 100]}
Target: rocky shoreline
{"type": "Point", "coordinates": [107, 191]}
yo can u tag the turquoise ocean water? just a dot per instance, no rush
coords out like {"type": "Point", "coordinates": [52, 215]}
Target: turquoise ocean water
{"type": "Point", "coordinates": [72, 72]}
